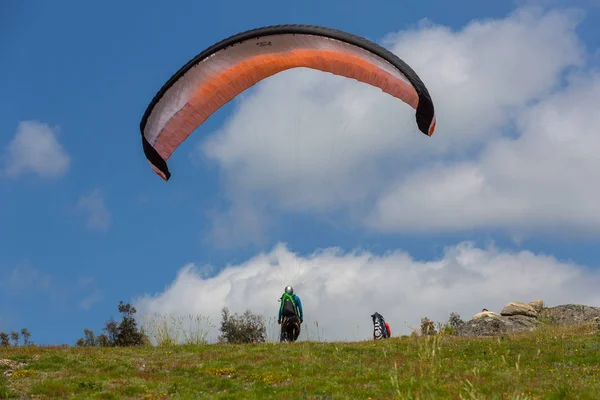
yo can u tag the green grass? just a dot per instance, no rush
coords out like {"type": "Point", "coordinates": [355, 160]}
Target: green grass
{"type": "Point", "coordinates": [551, 363]}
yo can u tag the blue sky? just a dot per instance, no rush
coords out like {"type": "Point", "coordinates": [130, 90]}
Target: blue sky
{"type": "Point", "coordinates": [88, 71]}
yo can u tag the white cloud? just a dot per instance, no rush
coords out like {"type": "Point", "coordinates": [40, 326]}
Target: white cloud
{"type": "Point", "coordinates": [542, 179]}
{"type": "Point", "coordinates": [35, 149]}
{"type": "Point", "coordinates": [313, 142]}
{"type": "Point", "coordinates": [99, 217]}
{"type": "Point", "coordinates": [341, 290]}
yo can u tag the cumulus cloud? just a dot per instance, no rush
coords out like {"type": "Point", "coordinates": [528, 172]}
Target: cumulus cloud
{"type": "Point", "coordinates": [305, 141]}
{"type": "Point", "coordinates": [35, 149]}
{"type": "Point", "coordinates": [93, 204]}
{"type": "Point", "coordinates": [542, 179]}
{"type": "Point", "coordinates": [341, 290]}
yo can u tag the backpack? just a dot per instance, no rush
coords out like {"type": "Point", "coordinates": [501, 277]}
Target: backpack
{"type": "Point", "coordinates": [384, 330]}
{"type": "Point", "coordinates": [288, 306]}
{"type": "Point", "coordinates": [380, 326]}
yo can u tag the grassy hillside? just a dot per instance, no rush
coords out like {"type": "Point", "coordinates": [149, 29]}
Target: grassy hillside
{"type": "Point", "coordinates": [551, 363]}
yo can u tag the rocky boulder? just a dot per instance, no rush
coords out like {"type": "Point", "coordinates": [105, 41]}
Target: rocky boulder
{"type": "Point", "coordinates": [493, 325]}
{"type": "Point", "coordinates": [518, 317]}
{"type": "Point", "coordinates": [517, 308]}
{"type": "Point", "coordinates": [484, 314]}
{"type": "Point", "coordinates": [569, 314]}
{"type": "Point", "coordinates": [11, 364]}
{"type": "Point", "coordinates": [538, 305]}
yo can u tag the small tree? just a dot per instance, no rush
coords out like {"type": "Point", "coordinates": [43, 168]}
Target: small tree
{"type": "Point", "coordinates": [111, 328]}
{"type": "Point", "coordinates": [127, 331]}
{"type": "Point", "coordinates": [90, 337]}
{"type": "Point", "coordinates": [4, 339]}
{"type": "Point", "coordinates": [455, 321]}
{"type": "Point", "coordinates": [427, 327]}
{"type": "Point", "coordinates": [103, 340]}
{"type": "Point", "coordinates": [247, 328]}
{"type": "Point", "coordinates": [25, 334]}
{"type": "Point", "coordinates": [15, 338]}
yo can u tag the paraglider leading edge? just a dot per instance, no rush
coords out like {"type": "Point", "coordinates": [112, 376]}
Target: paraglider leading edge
{"type": "Point", "coordinates": [425, 115]}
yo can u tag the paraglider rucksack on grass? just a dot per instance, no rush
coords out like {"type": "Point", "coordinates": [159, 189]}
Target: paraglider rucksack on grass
{"type": "Point", "coordinates": [288, 306]}
{"type": "Point", "coordinates": [380, 327]}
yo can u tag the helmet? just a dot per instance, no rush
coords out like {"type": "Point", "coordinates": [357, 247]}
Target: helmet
{"type": "Point", "coordinates": [289, 290]}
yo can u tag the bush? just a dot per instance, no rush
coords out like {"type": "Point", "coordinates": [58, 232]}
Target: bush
{"type": "Point", "coordinates": [121, 334]}
{"type": "Point", "coordinates": [427, 327]}
{"type": "Point", "coordinates": [25, 334]}
{"type": "Point", "coordinates": [454, 323]}
{"type": "Point", "coordinates": [247, 328]}
{"type": "Point", "coordinates": [4, 339]}
{"type": "Point", "coordinates": [15, 338]}
{"type": "Point", "coordinates": [88, 340]}
{"type": "Point", "coordinates": [127, 333]}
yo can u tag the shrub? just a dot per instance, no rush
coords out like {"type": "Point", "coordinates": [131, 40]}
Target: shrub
{"type": "Point", "coordinates": [125, 333]}
{"type": "Point", "coordinates": [247, 328]}
{"type": "Point", "coordinates": [15, 338]}
{"type": "Point", "coordinates": [427, 327]}
{"type": "Point", "coordinates": [4, 339]}
{"type": "Point", "coordinates": [454, 323]}
{"type": "Point", "coordinates": [111, 328]}
{"type": "Point", "coordinates": [25, 334]}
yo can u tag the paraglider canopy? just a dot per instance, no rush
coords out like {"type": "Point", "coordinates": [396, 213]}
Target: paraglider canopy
{"type": "Point", "coordinates": [224, 70]}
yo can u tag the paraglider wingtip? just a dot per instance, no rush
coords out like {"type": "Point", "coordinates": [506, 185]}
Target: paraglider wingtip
{"type": "Point", "coordinates": [432, 128]}
{"type": "Point", "coordinates": [164, 175]}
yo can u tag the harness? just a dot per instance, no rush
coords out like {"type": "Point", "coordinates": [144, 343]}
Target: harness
{"type": "Point", "coordinates": [287, 300]}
